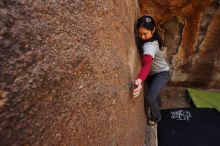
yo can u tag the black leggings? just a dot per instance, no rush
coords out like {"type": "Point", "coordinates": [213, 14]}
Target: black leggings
{"type": "Point", "coordinates": [152, 97]}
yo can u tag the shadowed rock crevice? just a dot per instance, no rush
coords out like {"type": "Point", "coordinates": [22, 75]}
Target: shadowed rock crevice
{"type": "Point", "coordinates": [204, 73]}
{"type": "Point", "coordinates": [205, 22]}
{"type": "Point", "coordinates": [172, 36]}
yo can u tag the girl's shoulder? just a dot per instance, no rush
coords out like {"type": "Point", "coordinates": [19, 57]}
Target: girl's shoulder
{"type": "Point", "coordinates": [153, 44]}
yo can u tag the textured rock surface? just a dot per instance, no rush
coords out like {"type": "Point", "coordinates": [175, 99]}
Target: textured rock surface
{"type": "Point", "coordinates": [66, 69]}
{"type": "Point", "coordinates": [191, 35]}
{"type": "Point", "coordinates": [151, 136]}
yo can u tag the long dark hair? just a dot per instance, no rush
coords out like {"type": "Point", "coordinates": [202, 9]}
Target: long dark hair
{"type": "Point", "coordinates": [149, 23]}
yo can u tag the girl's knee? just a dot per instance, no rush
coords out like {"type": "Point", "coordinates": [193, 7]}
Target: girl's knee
{"type": "Point", "coordinates": [151, 101]}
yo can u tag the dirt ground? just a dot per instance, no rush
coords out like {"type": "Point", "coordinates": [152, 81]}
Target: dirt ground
{"type": "Point", "coordinates": [174, 97]}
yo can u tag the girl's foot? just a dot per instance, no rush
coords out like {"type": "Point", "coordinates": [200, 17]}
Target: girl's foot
{"type": "Point", "coordinates": [151, 122]}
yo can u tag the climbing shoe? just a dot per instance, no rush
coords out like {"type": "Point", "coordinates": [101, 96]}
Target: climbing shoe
{"type": "Point", "coordinates": [151, 122]}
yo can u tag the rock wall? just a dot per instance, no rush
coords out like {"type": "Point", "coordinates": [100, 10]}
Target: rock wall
{"type": "Point", "coordinates": [66, 72]}
{"type": "Point", "coordinates": [190, 31]}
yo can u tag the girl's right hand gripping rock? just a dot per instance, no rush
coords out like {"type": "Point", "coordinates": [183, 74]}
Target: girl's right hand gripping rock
{"type": "Point", "coordinates": [138, 86]}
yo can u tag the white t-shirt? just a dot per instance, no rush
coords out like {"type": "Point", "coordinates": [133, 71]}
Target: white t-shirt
{"type": "Point", "coordinates": [158, 64]}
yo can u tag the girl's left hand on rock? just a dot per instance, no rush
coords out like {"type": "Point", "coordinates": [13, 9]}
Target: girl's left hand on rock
{"type": "Point", "coordinates": [138, 87]}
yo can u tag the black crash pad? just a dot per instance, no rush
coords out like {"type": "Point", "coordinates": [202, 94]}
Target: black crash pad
{"type": "Point", "coordinates": [189, 127]}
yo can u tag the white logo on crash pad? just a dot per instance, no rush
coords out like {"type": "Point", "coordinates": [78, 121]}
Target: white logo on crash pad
{"type": "Point", "coordinates": [181, 115]}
